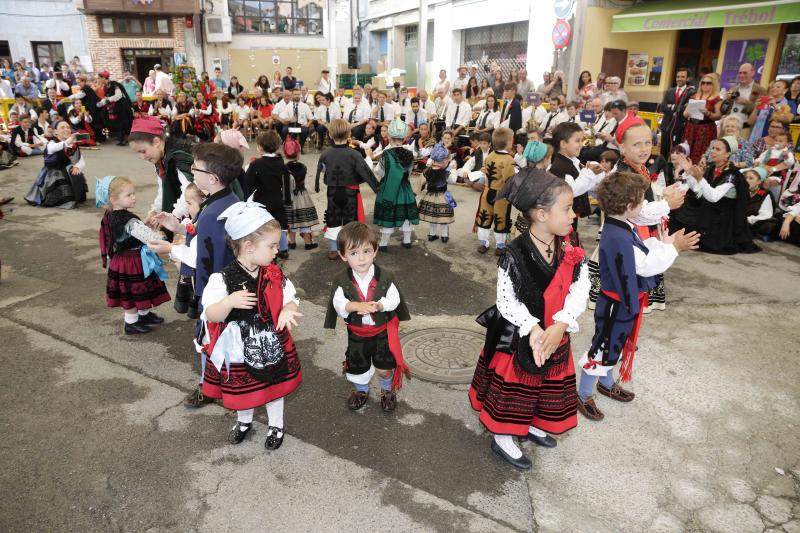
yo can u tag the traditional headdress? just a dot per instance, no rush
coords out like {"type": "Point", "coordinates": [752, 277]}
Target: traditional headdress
{"type": "Point", "coordinates": [243, 218]}
{"type": "Point", "coordinates": [398, 129]}
{"type": "Point", "coordinates": [525, 188]}
{"type": "Point", "coordinates": [439, 153]}
{"type": "Point", "coordinates": [535, 151]}
{"type": "Point", "coordinates": [101, 191]}
{"type": "Point", "coordinates": [148, 124]}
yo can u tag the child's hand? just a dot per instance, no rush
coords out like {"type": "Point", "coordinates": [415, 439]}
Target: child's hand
{"type": "Point", "coordinates": [242, 300]}
{"type": "Point", "coordinates": [787, 223]}
{"type": "Point", "coordinates": [535, 341]}
{"type": "Point", "coordinates": [595, 167]}
{"type": "Point", "coordinates": [683, 241]}
{"type": "Point", "coordinates": [548, 342]}
{"type": "Point", "coordinates": [160, 247]}
{"type": "Point", "coordinates": [674, 196]}
{"type": "Point", "coordinates": [287, 318]}
{"type": "Point", "coordinates": [167, 220]}
{"type": "Point", "coordinates": [365, 308]}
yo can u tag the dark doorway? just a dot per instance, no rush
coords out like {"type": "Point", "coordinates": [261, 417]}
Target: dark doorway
{"type": "Point", "coordinates": [139, 61]}
{"type": "Point", "coordinates": [614, 62]}
{"type": "Point", "coordinates": [697, 50]}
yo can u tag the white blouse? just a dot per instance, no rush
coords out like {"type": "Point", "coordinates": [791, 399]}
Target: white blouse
{"type": "Point", "coordinates": [515, 311]}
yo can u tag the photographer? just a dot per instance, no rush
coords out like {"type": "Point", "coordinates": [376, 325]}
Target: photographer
{"type": "Point", "coordinates": [741, 99]}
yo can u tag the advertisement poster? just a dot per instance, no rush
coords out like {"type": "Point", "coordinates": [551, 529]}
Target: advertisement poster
{"type": "Point", "coordinates": [637, 69]}
{"type": "Point", "coordinates": [737, 52]}
{"type": "Point", "coordinates": [655, 70]}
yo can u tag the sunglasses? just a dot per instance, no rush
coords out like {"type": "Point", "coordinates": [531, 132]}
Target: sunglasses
{"type": "Point", "coordinates": [705, 83]}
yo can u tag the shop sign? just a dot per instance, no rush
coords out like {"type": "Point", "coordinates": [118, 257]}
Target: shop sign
{"type": "Point", "coordinates": [729, 16]}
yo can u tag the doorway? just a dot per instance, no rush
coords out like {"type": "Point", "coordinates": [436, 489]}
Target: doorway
{"type": "Point", "coordinates": [614, 62]}
{"type": "Point", "coordinates": [697, 50]}
{"type": "Point", "coordinates": [140, 61]}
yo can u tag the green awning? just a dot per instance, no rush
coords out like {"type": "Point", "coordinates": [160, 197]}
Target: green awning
{"type": "Point", "coordinates": [691, 14]}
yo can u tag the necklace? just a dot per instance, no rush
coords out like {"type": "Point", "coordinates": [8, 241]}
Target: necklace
{"type": "Point", "coordinates": [249, 270]}
{"type": "Point", "coordinates": [549, 250]}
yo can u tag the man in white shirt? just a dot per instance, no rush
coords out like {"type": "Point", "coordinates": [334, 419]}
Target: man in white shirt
{"type": "Point", "coordinates": [341, 100]}
{"type": "Point", "coordinates": [357, 113]}
{"type": "Point", "coordinates": [462, 80]}
{"type": "Point", "coordinates": [164, 81]}
{"type": "Point", "coordinates": [416, 116]}
{"type": "Point", "coordinates": [325, 85]}
{"type": "Point", "coordinates": [458, 114]}
{"type": "Point", "coordinates": [298, 114]}
{"type": "Point", "coordinates": [426, 104]}
{"type": "Point", "coordinates": [551, 120]}
{"type": "Point", "coordinates": [442, 102]}
{"type": "Point", "coordinates": [383, 111]}
{"type": "Point", "coordinates": [322, 116]}
{"type": "Point", "coordinates": [6, 90]}
{"type": "Point", "coordinates": [279, 110]}
{"type": "Point", "coordinates": [744, 96]}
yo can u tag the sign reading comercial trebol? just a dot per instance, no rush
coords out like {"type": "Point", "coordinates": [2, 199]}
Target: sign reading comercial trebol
{"type": "Point", "coordinates": [640, 18]}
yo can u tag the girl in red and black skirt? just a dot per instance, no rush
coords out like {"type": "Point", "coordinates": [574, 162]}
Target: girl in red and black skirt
{"type": "Point", "coordinates": [524, 384]}
{"type": "Point", "coordinates": [133, 284]}
{"type": "Point", "coordinates": [248, 310]}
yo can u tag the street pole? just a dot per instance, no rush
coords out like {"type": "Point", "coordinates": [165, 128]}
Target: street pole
{"type": "Point", "coordinates": [422, 43]}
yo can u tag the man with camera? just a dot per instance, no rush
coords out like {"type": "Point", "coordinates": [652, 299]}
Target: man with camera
{"type": "Point", "coordinates": [741, 98]}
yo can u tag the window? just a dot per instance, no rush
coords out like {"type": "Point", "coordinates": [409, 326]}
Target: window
{"type": "Point", "coordinates": [5, 50]}
{"type": "Point", "coordinates": [275, 16]}
{"type": "Point", "coordinates": [789, 65]}
{"type": "Point", "coordinates": [504, 44]}
{"type": "Point", "coordinates": [135, 26]}
{"type": "Point", "coordinates": [49, 52]}
{"type": "Point", "coordinates": [410, 39]}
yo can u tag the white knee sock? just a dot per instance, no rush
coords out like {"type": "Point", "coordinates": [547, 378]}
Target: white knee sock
{"type": "Point", "coordinates": [386, 233]}
{"type": "Point", "coordinates": [245, 416]}
{"type": "Point", "coordinates": [444, 230]}
{"type": "Point", "coordinates": [143, 312]}
{"type": "Point", "coordinates": [275, 413]}
{"type": "Point", "coordinates": [432, 229]}
{"type": "Point", "coordinates": [500, 239]}
{"type": "Point", "coordinates": [536, 432]}
{"type": "Point", "coordinates": [483, 236]}
{"type": "Point", "coordinates": [506, 442]}
{"type": "Point", "coordinates": [132, 317]}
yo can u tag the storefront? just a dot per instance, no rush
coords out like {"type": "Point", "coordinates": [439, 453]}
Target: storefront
{"type": "Point", "coordinates": [646, 43]}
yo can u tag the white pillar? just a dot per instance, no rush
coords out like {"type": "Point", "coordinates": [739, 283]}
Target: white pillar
{"type": "Point", "coordinates": [422, 43]}
{"type": "Point", "coordinates": [443, 37]}
{"type": "Point", "coordinates": [331, 23]}
{"type": "Point", "coordinates": [540, 40]}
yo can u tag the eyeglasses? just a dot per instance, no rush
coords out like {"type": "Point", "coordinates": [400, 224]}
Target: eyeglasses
{"type": "Point", "coordinates": [195, 169]}
{"type": "Point", "coordinates": [705, 83]}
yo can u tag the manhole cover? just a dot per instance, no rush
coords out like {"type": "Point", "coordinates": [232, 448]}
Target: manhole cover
{"type": "Point", "coordinates": [446, 355]}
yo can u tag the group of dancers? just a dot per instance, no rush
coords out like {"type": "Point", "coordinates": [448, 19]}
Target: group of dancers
{"type": "Point", "coordinates": [525, 379]}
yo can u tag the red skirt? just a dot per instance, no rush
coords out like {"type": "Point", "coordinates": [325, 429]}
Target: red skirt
{"type": "Point", "coordinates": [128, 288]}
{"type": "Point", "coordinates": [510, 400]}
{"type": "Point", "coordinates": [699, 137]}
{"type": "Point", "coordinates": [239, 390]}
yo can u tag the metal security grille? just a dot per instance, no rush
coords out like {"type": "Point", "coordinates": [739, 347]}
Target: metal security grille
{"type": "Point", "coordinates": [507, 44]}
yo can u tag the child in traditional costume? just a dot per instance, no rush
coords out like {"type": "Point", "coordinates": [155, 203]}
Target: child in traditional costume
{"type": "Point", "coordinates": [217, 167]}
{"type": "Point", "coordinates": [182, 119]}
{"type": "Point", "coordinates": [135, 274]}
{"type": "Point", "coordinates": [537, 156]}
{"type": "Point", "coordinates": [395, 203]}
{"type": "Point", "coordinates": [498, 168]}
{"type": "Point", "coordinates": [366, 297]}
{"type": "Point", "coordinates": [777, 160]}
{"type": "Point", "coordinates": [249, 308]}
{"type": "Point", "coordinates": [760, 206]}
{"type": "Point", "coordinates": [302, 215]}
{"type": "Point", "coordinates": [524, 383]}
{"type": "Point", "coordinates": [205, 118]}
{"type": "Point", "coordinates": [345, 170]}
{"type": "Point", "coordinates": [437, 205]}
{"type": "Point", "coordinates": [61, 182]}
{"type": "Point", "coordinates": [185, 254]}
{"type": "Point", "coordinates": [628, 266]}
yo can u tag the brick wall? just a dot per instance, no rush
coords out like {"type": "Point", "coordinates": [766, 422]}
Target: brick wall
{"type": "Point", "coordinates": [106, 51]}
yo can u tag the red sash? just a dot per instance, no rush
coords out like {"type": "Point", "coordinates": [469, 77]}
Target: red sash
{"type": "Point", "coordinates": [392, 328]}
{"type": "Point", "coordinates": [557, 291]}
{"type": "Point", "coordinates": [629, 350]}
{"type": "Point", "coordinates": [359, 203]}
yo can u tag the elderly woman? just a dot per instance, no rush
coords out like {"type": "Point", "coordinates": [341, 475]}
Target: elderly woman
{"type": "Point", "coordinates": [717, 209]}
{"type": "Point", "coordinates": [742, 157]}
{"type": "Point", "coordinates": [149, 87]}
{"type": "Point", "coordinates": [778, 103]}
{"type": "Point", "coordinates": [611, 90]}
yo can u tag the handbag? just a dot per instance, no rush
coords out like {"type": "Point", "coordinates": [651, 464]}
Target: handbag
{"type": "Point", "coordinates": [450, 200]}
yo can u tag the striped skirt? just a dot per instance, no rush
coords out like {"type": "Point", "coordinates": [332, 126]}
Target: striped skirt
{"type": "Point", "coordinates": [510, 400]}
{"type": "Point", "coordinates": [128, 288]}
{"type": "Point", "coordinates": [302, 214]}
{"type": "Point", "coordinates": [434, 208]}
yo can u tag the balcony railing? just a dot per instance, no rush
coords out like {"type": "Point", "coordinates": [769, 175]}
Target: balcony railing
{"type": "Point", "coordinates": [169, 7]}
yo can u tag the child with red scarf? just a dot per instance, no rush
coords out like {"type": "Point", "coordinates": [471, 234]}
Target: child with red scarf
{"type": "Point", "coordinates": [366, 297]}
{"type": "Point", "coordinates": [524, 383]}
{"type": "Point", "coordinates": [629, 265]}
{"type": "Point", "coordinates": [249, 308]}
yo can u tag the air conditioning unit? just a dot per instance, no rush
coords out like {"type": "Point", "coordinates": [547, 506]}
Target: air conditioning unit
{"type": "Point", "coordinates": [218, 29]}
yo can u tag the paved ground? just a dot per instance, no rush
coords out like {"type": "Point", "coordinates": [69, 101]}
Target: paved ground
{"type": "Point", "coordinates": [95, 437]}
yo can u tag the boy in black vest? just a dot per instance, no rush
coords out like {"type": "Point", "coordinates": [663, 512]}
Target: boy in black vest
{"type": "Point", "coordinates": [366, 297]}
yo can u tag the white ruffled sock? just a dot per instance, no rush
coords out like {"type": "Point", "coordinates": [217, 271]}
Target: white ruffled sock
{"type": "Point", "coordinates": [506, 442]}
{"type": "Point", "coordinates": [536, 432]}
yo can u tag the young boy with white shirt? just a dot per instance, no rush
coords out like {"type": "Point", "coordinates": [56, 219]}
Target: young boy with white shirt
{"type": "Point", "coordinates": [366, 297]}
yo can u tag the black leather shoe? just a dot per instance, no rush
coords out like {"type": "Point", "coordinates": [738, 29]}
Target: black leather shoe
{"type": "Point", "coordinates": [274, 442]}
{"type": "Point", "coordinates": [523, 463]}
{"type": "Point", "coordinates": [546, 442]}
{"type": "Point", "coordinates": [292, 245]}
{"type": "Point", "coordinates": [432, 238]}
{"type": "Point", "coordinates": [383, 248]}
{"type": "Point", "coordinates": [312, 246]}
{"type": "Point", "coordinates": [407, 245]}
{"type": "Point", "coordinates": [150, 319]}
{"type": "Point", "coordinates": [283, 255]}
{"type": "Point", "coordinates": [445, 239]}
{"type": "Point", "coordinates": [239, 432]}
{"type": "Point", "coordinates": [136, 328]}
